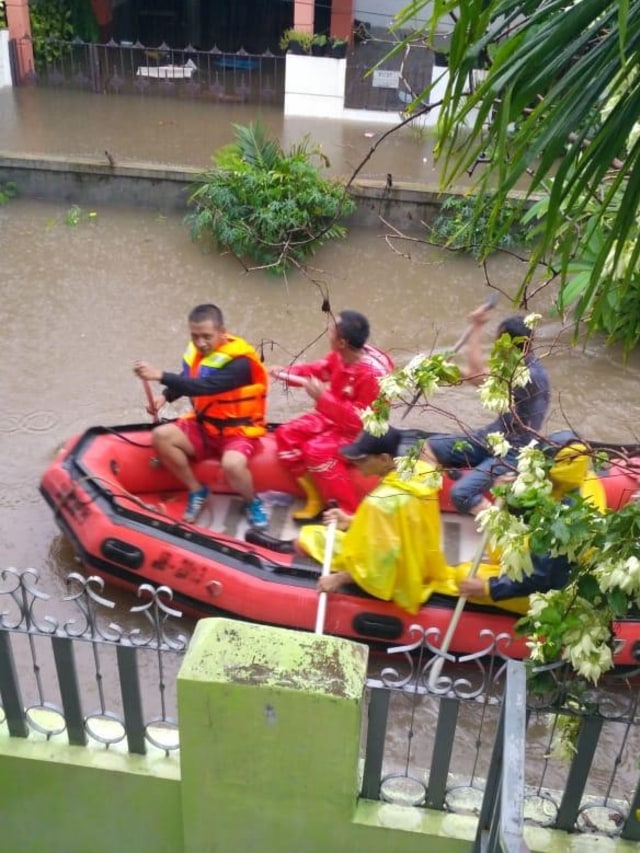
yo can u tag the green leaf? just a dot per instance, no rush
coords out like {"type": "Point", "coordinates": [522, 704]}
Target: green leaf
{"type": "Point", "coordinates": [618, 601]}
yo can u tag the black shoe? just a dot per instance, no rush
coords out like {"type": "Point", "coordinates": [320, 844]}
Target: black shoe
{"type": "Point", "coordinates": [264, 540]}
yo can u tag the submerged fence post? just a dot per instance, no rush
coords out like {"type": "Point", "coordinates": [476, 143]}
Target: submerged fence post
{"type": "Point", "coordinates": [269, 738]}
{"type": "Point", "coordinates": [501, 821]}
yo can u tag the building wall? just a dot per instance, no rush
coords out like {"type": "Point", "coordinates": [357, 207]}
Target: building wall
{"type": "Point", "coordinates": [5, 68]}
{"type": "Point", "coordinates": [90, 182]}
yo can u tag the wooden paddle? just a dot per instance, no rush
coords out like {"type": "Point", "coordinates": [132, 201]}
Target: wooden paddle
{"type": "Point", "coordinates": [491, 302]}
{"type": "Point", "coordinates": [436, 669]}
{"type": "Point", "coordinates": [326, 569]}
{"type": "Point", "coordinates": [152, 404]}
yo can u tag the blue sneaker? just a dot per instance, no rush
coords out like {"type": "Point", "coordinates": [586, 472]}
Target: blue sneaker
{"type": "Point", "coordinates": [257, 515]}
{"type": "Point", "coordinates": [195, 504]}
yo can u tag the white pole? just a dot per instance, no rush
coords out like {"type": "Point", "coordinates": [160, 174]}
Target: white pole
{"type": "Point", "coordinates": [326, 569]}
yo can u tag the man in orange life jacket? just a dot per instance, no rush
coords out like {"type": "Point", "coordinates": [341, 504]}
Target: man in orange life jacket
{"type": "Point", "coordinates": [227, 384]}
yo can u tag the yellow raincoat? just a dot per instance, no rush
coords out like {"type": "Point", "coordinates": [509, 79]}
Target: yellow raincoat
{"type": "Point", "coordinates": [392, 548]}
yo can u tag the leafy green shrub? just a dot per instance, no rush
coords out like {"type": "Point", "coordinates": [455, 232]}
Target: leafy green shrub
{"type": "Point", "coordinates": [267, 205]}
{"type": "Point", "coordinates": [3, 14]}
{"type": "Point", "coordinates": [300, 37]}
{"type": "Point", "coordinates": [51, 31]}
{"type": "Point", "coordinates": [463, 224]}
{"type": "Point", "coordinates": [8, 190]}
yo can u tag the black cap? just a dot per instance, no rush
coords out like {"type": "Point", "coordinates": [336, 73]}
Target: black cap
{"type": "Point", "coordinates": [515, 327]}
{"type": "Point", "coordinates": [373, 445]}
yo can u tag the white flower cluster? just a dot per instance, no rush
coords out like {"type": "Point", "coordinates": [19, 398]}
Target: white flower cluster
{"type": "Point", "coordinates": [588, 648]}
{"type": "Point", "coordinates": [374, 422]}
{"type": "Point", "coordinates": [495, 391]}
{"type": "Point", "coordinates": [532, 320]}
{"type": "Point", "coordinates": [532, 472]}
{"type": "Point", "coordinates": [509, 536]}
{"type": "Point", "coordinates": [406, 468]}
{"type": "Point", "coordinates": [498, 444]}
{"type": "Point", "coordinates": [394, 385]}
{"type": "Point", "coordinates": [586, 645]}
{"type": "Point", "coordinates": [423, 373]}
{"type": "Point", "coordinates": [623, 574]}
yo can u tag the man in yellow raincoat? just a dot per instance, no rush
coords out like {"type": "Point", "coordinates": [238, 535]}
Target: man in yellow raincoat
{"type": "Point", "coordinates": [572, 473]}
{"type": "Point", "coordinates": [391, 546]}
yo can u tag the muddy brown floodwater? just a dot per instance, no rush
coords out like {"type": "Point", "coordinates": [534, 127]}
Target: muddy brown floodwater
{"type": "Point", "coordinates": [80, 304]}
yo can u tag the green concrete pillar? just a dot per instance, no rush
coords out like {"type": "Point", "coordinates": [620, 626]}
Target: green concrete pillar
{"type": "Point", "coordinates": [269, 738]}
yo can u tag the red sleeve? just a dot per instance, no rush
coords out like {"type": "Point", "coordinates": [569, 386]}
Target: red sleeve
{"type": "Point", "coordinates": [346, 412]}
{"type": "Point", "coordinates": [321, 369]}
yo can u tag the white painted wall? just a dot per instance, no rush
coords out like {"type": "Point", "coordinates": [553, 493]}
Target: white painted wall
{"type": "Point", "coordinates": [314, 86]}
{"type": "Point", "coordinates": [5, 67]}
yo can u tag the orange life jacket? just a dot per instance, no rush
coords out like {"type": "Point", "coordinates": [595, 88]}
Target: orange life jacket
{"type": "Point", "coordinates": [240, 411]}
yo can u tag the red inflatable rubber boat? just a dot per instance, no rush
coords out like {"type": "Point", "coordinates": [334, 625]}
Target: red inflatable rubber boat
{"type": "Point", "coordinates": [122, 513]}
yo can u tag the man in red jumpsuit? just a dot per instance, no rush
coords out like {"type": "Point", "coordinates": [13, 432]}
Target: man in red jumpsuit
{"type": "Point", "coordinates": [342, 384]}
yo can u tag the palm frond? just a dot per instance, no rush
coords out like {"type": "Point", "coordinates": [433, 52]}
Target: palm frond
{"type": "Point", "coordinates": [551, 67]}
{"type": "Point", "coordinates": [255, 147]}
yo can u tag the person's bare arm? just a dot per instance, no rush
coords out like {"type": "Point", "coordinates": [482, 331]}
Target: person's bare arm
{"type": "Point", "coordinates": [475, 369]}
{"type": "Point", "coordinates": [333, 582]}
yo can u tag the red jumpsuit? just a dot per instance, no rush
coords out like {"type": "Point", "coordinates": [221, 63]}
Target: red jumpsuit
{"type": "Point", "coordinates": [311, 441]}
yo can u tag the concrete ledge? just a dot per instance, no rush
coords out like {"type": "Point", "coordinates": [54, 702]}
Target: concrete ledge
{"type": "Point", "coordinates": [90, 181]}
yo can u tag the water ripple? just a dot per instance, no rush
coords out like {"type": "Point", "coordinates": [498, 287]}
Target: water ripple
{"type": "Point", "coordinates": [31, 422]}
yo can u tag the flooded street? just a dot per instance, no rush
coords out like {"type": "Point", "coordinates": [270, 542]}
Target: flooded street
{"type": "Point", "coordinates": [81, 303]}
{"type": "Point", "coordinates": [152, 129]}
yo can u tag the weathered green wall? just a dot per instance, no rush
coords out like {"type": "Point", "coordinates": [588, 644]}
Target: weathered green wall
{"type": "Point", "coordinates": [284, 712]}
{"type": "Point", "coordinates": [60, 799]}
{"type": "Point", "coordinates": [88, 181]}
{"type": "Point", "coordinates": [269, 730]}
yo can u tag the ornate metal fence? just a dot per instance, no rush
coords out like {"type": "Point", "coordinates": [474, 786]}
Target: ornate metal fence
{"type": "Point", "coordinates": [113, 68]}
{"type": "Point", "coordinates": [452, 740]}
{"type": "Point", "coordinates": [582, 743]}
{"type": "Point", "coordinates": [79, 673]}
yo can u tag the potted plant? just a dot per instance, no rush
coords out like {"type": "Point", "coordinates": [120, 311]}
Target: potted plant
{"type": "Point", "coordinates": [337, 47]}
{"type": "Point", "coordinates": [296, 41]}
{"type": "Point", "coordinates": [319, 45]}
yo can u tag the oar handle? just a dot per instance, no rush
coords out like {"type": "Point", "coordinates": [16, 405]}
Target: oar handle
{"type": "Point", "coordinates": [326, 569]}
{"type": "Point", "coordinates": [152, 403]}
{"type": "Point", "coordinates": [436, 669]}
